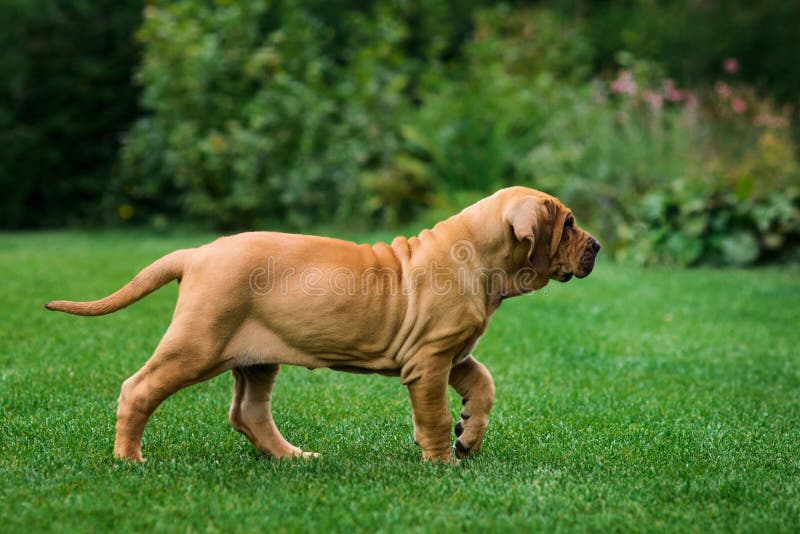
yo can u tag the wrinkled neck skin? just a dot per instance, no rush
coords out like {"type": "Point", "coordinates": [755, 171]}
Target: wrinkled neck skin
{"type": "Point", "coordinates": [486, 263]}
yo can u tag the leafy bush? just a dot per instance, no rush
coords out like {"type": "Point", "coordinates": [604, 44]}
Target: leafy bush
{"type": "Point", "coordinates": [288, 111]}
{"type": "Point", "coordinates": [298, 114]}
{"type": "Point", "coordinates": [667, 176]}
{"type": "Point", "coordinates": [662, 174]}
{"type": "Point", "coordinates": [478, 119]}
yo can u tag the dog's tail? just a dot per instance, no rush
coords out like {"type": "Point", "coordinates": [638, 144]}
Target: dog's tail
{"type": "Point", "coordinates": [152, 277]}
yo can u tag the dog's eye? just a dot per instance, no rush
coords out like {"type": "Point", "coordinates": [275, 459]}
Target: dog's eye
{"type": "Point", "coordinates": [568, 224]}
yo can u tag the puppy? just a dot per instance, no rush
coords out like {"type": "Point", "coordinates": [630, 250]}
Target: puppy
{"type": "Point", "coordinates": [414, 308]}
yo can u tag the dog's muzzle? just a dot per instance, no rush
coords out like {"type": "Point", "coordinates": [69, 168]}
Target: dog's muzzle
{"type": "Point", "coordinates": [588, 257]}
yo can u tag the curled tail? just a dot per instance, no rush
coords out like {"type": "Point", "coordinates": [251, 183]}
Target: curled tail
{"type": "Point", "coordinates": [152, 277]}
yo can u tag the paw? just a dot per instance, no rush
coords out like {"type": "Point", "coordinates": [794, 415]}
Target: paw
{"type": "Point", "coordinates": [469, 433]}
{"type": "Point", "coordinates": [460, 450]}
{"type": "Point", "coordinates": [132, 458]}
{"type": "Point", "coordinates": [443, 456]}
{"type": "Point", "coordinates": [297, 453]}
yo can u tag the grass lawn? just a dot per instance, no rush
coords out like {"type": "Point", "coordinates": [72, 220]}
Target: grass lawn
{"type": "Point", "coordinates": [632, 400]}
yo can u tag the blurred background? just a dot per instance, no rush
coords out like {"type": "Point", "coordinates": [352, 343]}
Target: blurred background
{"type": "Point", "coordinates": [669, 127]}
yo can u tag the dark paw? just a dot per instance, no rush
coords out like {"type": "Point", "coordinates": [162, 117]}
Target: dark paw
{"type": "Point", "coordinates": [460, 450]}
{"type": "Point", "coordinates": [459, 429]}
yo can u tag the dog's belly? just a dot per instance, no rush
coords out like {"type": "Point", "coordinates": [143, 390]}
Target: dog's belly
{"type": "Point", "coordinates": [255, 344]}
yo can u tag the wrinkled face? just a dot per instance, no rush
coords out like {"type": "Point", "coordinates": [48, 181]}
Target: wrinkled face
{"type": "Point", "coordinates": [575, 251]}
{"type": "Point", "coordinates": [547, 236]}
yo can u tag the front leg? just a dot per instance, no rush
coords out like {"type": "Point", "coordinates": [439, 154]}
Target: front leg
{"type": "Point", "coordinates": [474, 384]}
{"type": "Point", "coordinates": [427, 388]}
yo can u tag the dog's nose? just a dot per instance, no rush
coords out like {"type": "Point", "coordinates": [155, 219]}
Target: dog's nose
{"type": "Point", "coordinates": [595, 244]}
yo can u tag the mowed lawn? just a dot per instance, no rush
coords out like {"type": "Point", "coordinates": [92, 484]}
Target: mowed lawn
{"type": "Point", "coordinates": [633, 400]}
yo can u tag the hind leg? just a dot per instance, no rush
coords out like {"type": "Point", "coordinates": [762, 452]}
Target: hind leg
{"type": "Point", "coordinates": [251, 413]}
{"type": "Point", "coordinates": [175, 364]}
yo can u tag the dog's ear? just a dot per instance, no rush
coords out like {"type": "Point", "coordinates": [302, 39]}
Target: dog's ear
{"type": "Point", "coordinates": [559, 217]}
{"type": "Point", "coordinates": [523, 217]}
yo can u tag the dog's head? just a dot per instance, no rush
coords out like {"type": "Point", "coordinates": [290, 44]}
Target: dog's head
{"type": "Point", "coordinates": [544, 233]}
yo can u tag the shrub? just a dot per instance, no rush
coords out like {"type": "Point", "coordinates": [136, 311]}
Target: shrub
{"type": "Point", "coordinates": [477, 120]}
{"type": "Point", "coordinates": [661, 173]}
{"type": "Point", "coordinates": [281, 112]}
{"type": "Point", "coordinates": [296, 114]}
{"type": "Point", "coordinates": [667, 176]}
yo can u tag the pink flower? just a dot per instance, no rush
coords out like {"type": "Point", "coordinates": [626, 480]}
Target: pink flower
{"type": "Point", "coordinates": [731, 65]}
{"type": "Point", "coordinates": [672, 93]}
{"type": "Point", "coordinates": [738, 105]}
{"type": "Point", "coordinates": [691, 100]}
{"type": "Point", "coordinates": [624, 84]}
{"type": "Point", "coordinates": [655, 100]}
{"type": "Point", "coordinates": [723, 90]}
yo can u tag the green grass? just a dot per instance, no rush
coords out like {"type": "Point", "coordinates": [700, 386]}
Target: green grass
{"type": "Point", "coordinates": [631, 400]}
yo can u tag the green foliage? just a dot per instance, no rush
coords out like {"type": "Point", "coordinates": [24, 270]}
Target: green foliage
{"type": "Point", "coordinates": [293, 114]}
{"type": "Point", "coordinates": [661, 174]}
{"type": "Point", "coordinates": [300, 114]}
{"type": "Point", "coordinates": [284, 127]}
{"type": "Point", "coordinates": [65, 97]}
{"type": "Point", "coordinates": [280, 127]}
{"type": "Point", "coordinates": [676, 182]}
{"type": "Point", "coordinates": [683, 227]}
